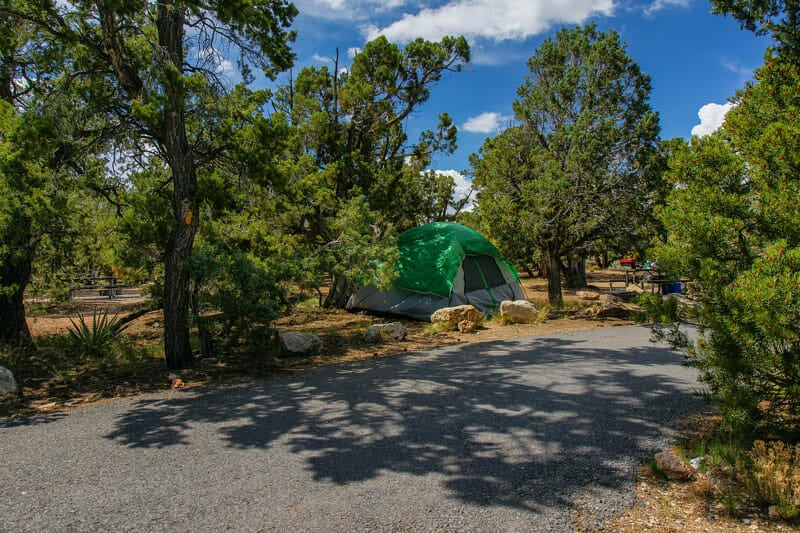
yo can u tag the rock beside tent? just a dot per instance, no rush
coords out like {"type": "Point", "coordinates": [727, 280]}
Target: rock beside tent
{"type": "Point", "coordinates": [394, 331]}
{"type": "Point", "coordinates": [466, 318]}
{"type": "Point", "coordinates": [299, 344]}
{"type": "Point", "coordinates": [451, 317]}
{"type": "Point", "coordinates": [518, 312]}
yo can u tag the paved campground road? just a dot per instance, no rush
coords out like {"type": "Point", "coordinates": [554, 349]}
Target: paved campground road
{"type": "Point", "coordinates": [523, 435]}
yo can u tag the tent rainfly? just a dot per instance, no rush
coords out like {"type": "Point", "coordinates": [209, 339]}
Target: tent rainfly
{"type": "Point", "coordinates": [442, 264]}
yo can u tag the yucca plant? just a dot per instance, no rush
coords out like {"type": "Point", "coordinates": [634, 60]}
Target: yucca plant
{"type": "Point", "coordinates": [95, 338]}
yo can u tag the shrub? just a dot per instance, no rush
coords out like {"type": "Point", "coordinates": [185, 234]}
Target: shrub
{"type": "Point", "coordinates": [96, 338]}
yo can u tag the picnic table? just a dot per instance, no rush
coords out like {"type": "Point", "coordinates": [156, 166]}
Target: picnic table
{"type": "Point", "coordinates": [105, 285]}
{"type": "Point", "coordinates": [642, 276]}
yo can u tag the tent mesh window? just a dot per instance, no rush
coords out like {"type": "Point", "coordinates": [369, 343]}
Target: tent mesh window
{"type": "Point", "coordinates": [479, 269]}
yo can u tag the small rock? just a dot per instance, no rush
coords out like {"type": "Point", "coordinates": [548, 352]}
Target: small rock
{"type": "Point", "coordinates": [518, 311]}
{"type": "Point", "coordinates": [451, 316]}
{"type": "Point", "coordinates": [177, 383]}
{"type": "Point", "coordinates": [613, 310]}
{"type": "Point", "coordinates": [673, 466]}
{"type": "Point", "coordinates": [298, 344]}
{"type": "Point", "coordinates": [8, 385]}
{"type": "Point", "coordinates": [379, 332]}
{"type": "Point", "coordinates": [588, 295]}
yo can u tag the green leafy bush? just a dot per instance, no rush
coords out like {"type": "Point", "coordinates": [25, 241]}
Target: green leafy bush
{"type": "Point", "coordinates": [733, 227]}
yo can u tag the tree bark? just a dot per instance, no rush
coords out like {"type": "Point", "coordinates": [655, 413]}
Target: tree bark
{"type": "Point", "coordinates": [553, 277]}
{"type": "Point", "coordinates": [542, 266]}
{"type": "Point", "coordinates": [203, 331]}
{"type": "Point", "coordinates": [177, 350]}
{"type": "Point", "coordinates": [575, 273]}
{"type": "Point", "coordinates": [15, 273]}
{"type": "Point", "coordinates": [341, 289]}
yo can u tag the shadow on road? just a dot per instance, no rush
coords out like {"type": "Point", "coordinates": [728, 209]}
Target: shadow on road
{"type": "Point", "coordinates": [523, 423]}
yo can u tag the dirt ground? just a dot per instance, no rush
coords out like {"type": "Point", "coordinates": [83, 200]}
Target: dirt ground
{"type": "Point", "coordinates": [661, 505]}
{"type": "Point", "coordinates": [56, 320]}
{"type": "Point", "coordinates": [342, 333]}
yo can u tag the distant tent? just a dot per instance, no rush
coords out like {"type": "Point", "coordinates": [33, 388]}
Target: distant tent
{"type": "Point", "coordinates": [442, 264]}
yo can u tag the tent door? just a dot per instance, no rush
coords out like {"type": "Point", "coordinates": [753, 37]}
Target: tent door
{"type": "Point", "coordinates": [482, 272]}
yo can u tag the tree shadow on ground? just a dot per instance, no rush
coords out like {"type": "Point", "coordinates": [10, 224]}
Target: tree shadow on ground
{"type": "Point", "coordinates": [35, 420]}
{"type": "Point", "coordinates": [526, 424]}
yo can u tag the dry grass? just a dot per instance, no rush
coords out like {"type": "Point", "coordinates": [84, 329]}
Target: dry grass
{"type": "Point", "coordinates": [715, 501]}
{"type": "Point", "coordinates": [773, 476]}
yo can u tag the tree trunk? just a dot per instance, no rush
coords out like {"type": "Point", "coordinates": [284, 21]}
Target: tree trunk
{"type": "Point", "coordinates": [576, 273]}
{"type": "Point", "coordinates": [341, 289]}
{"type": "Point", "coordinates": [542, 266]}
{"type": "Point", "coordinates": [15, 273]}
{"type": "Point", "coordinates": [203, 331]}
{"type": "Point", "coordinates": [179, 156]}
{"type": "Point", "coordinates": [553, 277]}
{"type": "Point", "coordinates": [177, 350]}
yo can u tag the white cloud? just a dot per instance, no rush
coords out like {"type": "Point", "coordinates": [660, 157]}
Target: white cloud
{"type": "Point", "coordinates": [353, 52]}
{"type": "Point", "coordinates": [321, 59]}
{"type": "Point", "coordinates": [463, 186]}
{"type": "Point", "coordinates": [658, 5]}
{"type": "Point", "coordinates": [346, 9]}
{"type": "Point", "coordinates": [212, 58]}
{"type": "Point", "coordinates": [711, 118]}
{"type": "Point", "coordinates": [316, 7]}
{"type": "Point", "coordinates": [485, 123]}
{"type": "Point", "coordinates": [514, 20]}
{"type": "Point", "coordinates": [733, 66]}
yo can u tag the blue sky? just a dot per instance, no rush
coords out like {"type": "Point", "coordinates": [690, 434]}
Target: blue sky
{"type": "Point", "coordinates": [693, 57]}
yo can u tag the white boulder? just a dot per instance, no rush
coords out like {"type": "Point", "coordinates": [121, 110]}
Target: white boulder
{"type": "Point", "coordinates": [518, 311]}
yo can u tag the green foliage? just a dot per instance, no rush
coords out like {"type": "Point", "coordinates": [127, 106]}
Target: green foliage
{"type": "Point", "coordinates": [26, 205]}
{"type": "Point", "coordinates": [581, 163]}
{"type": "Point", "coordinates": [95, 339]}
{"type": "Point", "coordinates": [137, 72]}
{"type": "Point", "coordinates": [658, 309]}
{"type": "Point", "coordinates": [355, 179]}
{"type": "Point", "coordinates": [733, 221]}
{"type": "Point", "coordinates": [243, 288]}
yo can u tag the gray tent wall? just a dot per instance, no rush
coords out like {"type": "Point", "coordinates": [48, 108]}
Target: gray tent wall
{"type": "Point", "coordinates": [492, 272]}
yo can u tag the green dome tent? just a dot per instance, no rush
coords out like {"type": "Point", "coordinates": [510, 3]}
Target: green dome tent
{"type": "Point", "coordinates": [442, 264]}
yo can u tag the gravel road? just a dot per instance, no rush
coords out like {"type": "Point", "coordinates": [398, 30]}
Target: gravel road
{"type": "Point", "coordinates": [535, 434]}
